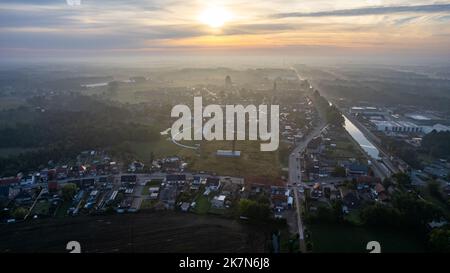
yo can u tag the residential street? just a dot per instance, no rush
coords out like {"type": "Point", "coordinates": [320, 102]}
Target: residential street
{"type": "Point", "coordinates": [295, 175]}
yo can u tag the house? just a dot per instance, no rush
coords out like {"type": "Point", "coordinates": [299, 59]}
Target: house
{"type": "Point", "coordinates": [61, 172]}
{"type": "Point", "coordinates": [128, 178]}
{"type": "Point", "coordinates": [228, 153]}
{"type": "Point", "coordinates": [6, 183]}
{"type": "Point", "coordinates": [168, 196]}
{"type": "Point", "coordinates": [316, 191]}
{"type": "Point", "coordinates": [229, 189]}
{"type": "Point", "coordinates": [213, 183]}
{"type": "Point", "coordinates": [381, 192]}
{"type": "Point", "coordinates": [87, 182]}
{"type": "Point", "coordinates": [170, 164]}
{"type": "Point", "coordinates": [153, 189]}
{"type": "Point", "coordinates": [185, 206]}
{"type": "Point", "coordinates": [314, 146]}
{"type": "Point", "coordinates": [279, 201]}
{"type": "Point", "coordinates": [23, 198]}
{"type": "Point", "coordinates": [365, 179]}
{"type": "Point", "coordinates": [52, 185]}
{"type": "Point", "coordinates": [355, 170]}
{"type": "Point", "coordinates": [175, 178]}
{"type": "Point", "coordinates": [195, 185]}
{"type": "Point", "coordinates": [218, 201]}
{"type": "Point", "coordinates": [136, 166]}
{"type": "Point", "coordinates": [275, 190]}
{"type": "Point", "coordinates": [350, 199]}
{"type": "Point", "coordinates": [28, 180]}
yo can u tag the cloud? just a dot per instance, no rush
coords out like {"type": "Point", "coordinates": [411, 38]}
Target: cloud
{"type": "Point", "coordinates": [437, 8]}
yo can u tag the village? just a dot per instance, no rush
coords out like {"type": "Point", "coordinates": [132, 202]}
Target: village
{"type": "Point", "coordinates": [100, 185]}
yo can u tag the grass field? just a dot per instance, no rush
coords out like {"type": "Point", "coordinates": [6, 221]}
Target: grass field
{"type": "Point", "coordinates": [329, 238]}
{"type": "Point", "coordinates": [252, 162]}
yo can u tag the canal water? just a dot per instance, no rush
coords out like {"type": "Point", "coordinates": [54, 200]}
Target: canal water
{"type": "Point", "coordinates": [359, 137]}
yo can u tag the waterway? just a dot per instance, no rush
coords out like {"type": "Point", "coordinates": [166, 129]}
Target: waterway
{"type": "Point", "coordinates": [359, 137]}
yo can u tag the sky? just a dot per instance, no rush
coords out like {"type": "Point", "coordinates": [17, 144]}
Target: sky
{"type": "Point", "coordinates": [61, 28]}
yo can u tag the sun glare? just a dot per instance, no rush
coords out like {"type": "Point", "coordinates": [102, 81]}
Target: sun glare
{"type": "Point", "coordinates": [215, 17]}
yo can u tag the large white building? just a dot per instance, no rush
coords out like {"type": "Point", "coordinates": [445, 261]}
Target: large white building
{"type": "Point", "coordinates": [366, 110]}
{"type": "Point", "coordinates": [397, 126]}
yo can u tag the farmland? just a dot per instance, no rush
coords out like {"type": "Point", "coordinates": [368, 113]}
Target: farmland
{"type": "Point", "coordinates": [153, 232]}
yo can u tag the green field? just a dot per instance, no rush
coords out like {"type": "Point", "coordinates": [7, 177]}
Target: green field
{"type": "Point", "coordinates": [252, 162]}
{"type": "Point", "coordinates": [334, 238]}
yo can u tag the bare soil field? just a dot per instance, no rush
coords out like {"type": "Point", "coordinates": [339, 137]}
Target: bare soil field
{"type": "Point", "coordinates": [143, 232]}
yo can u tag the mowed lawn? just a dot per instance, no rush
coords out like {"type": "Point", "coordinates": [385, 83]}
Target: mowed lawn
{"type": "Point", "coordinates": [334, 238]}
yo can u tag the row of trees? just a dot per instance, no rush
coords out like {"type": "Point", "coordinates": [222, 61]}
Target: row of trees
{"type": "Point", "coordinates": [332, 113]}
{"type": "Point", "coordinates": [437, 144]}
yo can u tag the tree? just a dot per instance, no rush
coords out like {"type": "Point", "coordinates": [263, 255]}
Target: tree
{"type": "Point", "coordinates": [68, 191]}
{"type": "Point", "coordinates": [334, 116]}
{"type": "Point", "coordinates": [380, 215]}
{"type": "Point", "coordinates": [415, 212]}
{"type": "Point", "coordinates": [19, 213]}
{"type": "Point", "coordinates": [387, 183]}
{"type": "Point", "coordinates": [253, 210]}
{"type": "Point", "coordinates": [402, 179]}
{"type": "Point", "coordinates": [437, 144]}
{"type": "Point", "coordinates": [439, 240]}
{"type": "Point", "coordinates": [339, 171]}
{"type": "Point", "coordinates": [434, 189]}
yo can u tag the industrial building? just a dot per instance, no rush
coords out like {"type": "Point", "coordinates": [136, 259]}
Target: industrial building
{"type": "Point", "coordinates": [397, 126]}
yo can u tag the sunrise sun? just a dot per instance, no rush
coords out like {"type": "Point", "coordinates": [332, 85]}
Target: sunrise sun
{"type": "Point", "coordinates": [215, 17]}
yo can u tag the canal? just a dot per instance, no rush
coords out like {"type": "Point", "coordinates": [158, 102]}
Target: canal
{"type": "Point", "coordinates": [359, 137]}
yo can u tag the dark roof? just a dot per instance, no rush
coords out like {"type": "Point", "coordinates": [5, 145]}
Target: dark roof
{"type": "Point", "coordinates": [358, 168]}
{"type": "Point", "coordinates": [368, 179]}
{"type": "Point", "coordinates": [23, 195]}
{"type": "Point", "coordinates": [212, 181]}
{"type": "Point", "coordinates": [175, 177]}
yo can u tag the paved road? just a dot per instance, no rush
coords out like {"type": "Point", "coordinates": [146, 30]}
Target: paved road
{"type": "Point", "coordinates": [295, 175]}
{"type": "Point", "coordinates": [295, 180]}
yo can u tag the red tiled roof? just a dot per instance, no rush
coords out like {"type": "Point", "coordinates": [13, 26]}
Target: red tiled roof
{"type": "Point", "coordinates": [9, 181]}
